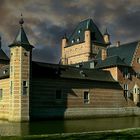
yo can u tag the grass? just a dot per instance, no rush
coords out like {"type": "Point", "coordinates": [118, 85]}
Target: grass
{"type": "Point", "coordinates": [125, 134]}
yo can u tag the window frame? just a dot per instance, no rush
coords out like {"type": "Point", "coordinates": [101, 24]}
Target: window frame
{"type": "Point", "coordinates": [25, 88]}
{"type": "Point", "coordinates": [138, 60]}
{"type": "Point", "coordinates": [86, 97]}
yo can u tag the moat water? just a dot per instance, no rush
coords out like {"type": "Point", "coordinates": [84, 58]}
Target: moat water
{"type": "Point", "coordinates": [68, 126]}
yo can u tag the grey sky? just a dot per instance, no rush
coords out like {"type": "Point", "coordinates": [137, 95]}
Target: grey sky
{"type": "Point", "coordinates": [47, 20]}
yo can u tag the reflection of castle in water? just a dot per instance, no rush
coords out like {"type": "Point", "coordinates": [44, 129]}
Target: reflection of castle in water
{"type": "Point", "coordinates": [67, 126]}
{"type": "Point", "coordinates": [13, 129]}
{"type": "Point", "coordinates": [87, 83]}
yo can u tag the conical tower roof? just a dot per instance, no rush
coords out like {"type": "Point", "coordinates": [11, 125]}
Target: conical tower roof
{"type": "Point", "coordinates": [106, 32]}
{"type": "Point", "coordinates": [21, 38]}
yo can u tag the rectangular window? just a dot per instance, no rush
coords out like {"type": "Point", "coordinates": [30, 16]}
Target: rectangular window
{"type": "Point", "coordinates": [137, 74]}
{"type": "Point", "coordinates": [138, 60]}
{"type": "Point", "coordinates": [138, 91]}
{"type": "Point", "coordinates": [25, 83]}
{"type": "Point", "coordinates": [126, 93]}
{"type": "Point", "coordinates": [25, 88]}
{"type": "Point", "coordinates": [58, 95]}
{"type": "Point", "coordinates": [86, 97]}
{"type": "Point", "coordinates": [1, 94]}
{"type": "Point", "coordinates": [125, 87]}
{"type": "Point", "coordinates": [92, 65]}
{"type": "Point", "coordinates": [135, 90]}
{"type": "Point", "coordinates": [11, 87]}
{"type": "Point", "coordinates": [125, 73]}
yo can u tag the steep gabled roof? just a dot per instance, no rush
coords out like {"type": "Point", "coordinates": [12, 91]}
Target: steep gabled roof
{"type": "Point", "coordinates": [3, 56]}
{"type": "Point", "coordinates": [125, 52]}
{"type": "Point", "coordinates": [111, 61]}
{"type": "Point", "coordinates": [78, 33]}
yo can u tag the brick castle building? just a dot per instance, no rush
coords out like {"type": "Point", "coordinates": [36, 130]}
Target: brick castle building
{"type": "Point", "coordinates": [93, 79]}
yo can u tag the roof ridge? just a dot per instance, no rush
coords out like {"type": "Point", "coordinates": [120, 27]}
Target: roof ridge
{"type": "Point", "coordinates": [85, 20]}
{"type": "Point", "coordinates": [124, 44]}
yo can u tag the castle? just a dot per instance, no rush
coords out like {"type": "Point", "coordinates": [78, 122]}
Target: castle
{"type": "Point", "coordinates": [93, 79]}
{"type": "Point", "coordinates": [88, 48]}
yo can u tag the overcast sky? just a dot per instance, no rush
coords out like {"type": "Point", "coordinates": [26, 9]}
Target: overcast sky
{"type": "Point", "coordinates": [46, 21]}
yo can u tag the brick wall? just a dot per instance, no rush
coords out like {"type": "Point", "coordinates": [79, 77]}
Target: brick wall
{"type": "Point", "coordinates": [114, 72]}
{"type": "Point", "coordinates": [101, 94]}
{"type": "Point", "coordinates": [4, 101]}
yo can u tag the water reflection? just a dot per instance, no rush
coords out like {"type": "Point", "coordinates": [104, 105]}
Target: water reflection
{"type": "Point", "coordinates": [13, 129]}
{"type": "Point", "coordinates": [67, 126]}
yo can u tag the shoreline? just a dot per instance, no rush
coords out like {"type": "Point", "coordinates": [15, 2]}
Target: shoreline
{"type": "Point", "coordinates": [128, 133]}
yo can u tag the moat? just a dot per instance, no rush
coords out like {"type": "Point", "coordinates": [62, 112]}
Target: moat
{"type": "Point", "coordinates": [67, 126]}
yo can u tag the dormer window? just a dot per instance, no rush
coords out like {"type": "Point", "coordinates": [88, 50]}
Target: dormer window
{"type": "Point", "coordinates": [78, 39]}
{"type": "Point", "coordinates": [5, 71]}
{"type": "Point", "coordinates": [138, 60]}
{"type": "Point", "coordinates": [72, 41]}
{"type": "Point", "coordinates": [79, 31]}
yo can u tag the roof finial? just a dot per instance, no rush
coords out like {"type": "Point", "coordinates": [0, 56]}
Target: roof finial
{"type": "Point", "coordinates": [106, 32]}
{"type": "Point", "coordinates": [65, 35]}
{"type": "Point", "coordinates": [21, 21]}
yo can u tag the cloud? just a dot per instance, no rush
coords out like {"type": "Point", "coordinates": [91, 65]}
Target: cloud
{"type": "Point", "coordinates": [46, 21]}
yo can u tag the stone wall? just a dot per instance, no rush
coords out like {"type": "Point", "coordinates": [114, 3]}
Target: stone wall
{"type": "Point", "coordinates": [76, 53]}
{"type": "Point", "coordinates": [4, 100]}
{"type": "Point", "coordinates": [101, 95]}
{"type": "Point", "coordinates": [114, 72]}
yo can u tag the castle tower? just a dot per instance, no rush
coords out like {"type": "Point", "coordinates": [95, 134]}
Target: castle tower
{"type": "Point", "coordinates": [20, 59]}
{"type": "Point", "coordinates": [88, 39]}
{"type": "Point", "coordinates": [107, 37]}
{"type": "Point", "coordinates": [63, 45]}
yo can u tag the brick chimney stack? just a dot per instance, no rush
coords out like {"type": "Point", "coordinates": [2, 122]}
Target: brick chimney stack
{"type": "Point", "coordinates": [118, 43]}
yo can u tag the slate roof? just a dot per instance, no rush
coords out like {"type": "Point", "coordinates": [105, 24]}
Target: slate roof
{"type": "Point", "coordinates": [87, 64]}
{"type": "Point", "coordinates": [111, 61]}
{"type": "Point", "coordinates": [125, 52]}
{"type": "Point", "coordinates": [3, 56]}
{"type": "Point", "coordinates": [64, 71]}
{"type": "Point", "coordinates": [4, 72]}
{"type": "Point", "coordinates": [21, 39]}
{"type": "Point", "coordinates": [96, 35]}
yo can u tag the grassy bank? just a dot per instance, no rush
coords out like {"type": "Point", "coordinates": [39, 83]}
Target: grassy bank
{"type": "Point", "coordinates": [125, 134]}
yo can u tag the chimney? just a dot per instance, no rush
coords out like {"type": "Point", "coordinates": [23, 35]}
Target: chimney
{"type": "Point", "coordinates": [103, 54]}
{"type": "Point", "coordinates": [118, 43]}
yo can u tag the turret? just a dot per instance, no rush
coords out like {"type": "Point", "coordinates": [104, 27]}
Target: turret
{"type": "Point", "coordinates": [107, 37]}
{"type": "Point", "coordinates": [20, 62]}
{"type": "Point", "coordinates": [63, 45]}
{"type": "Point", "coordinates": [88, 39]}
